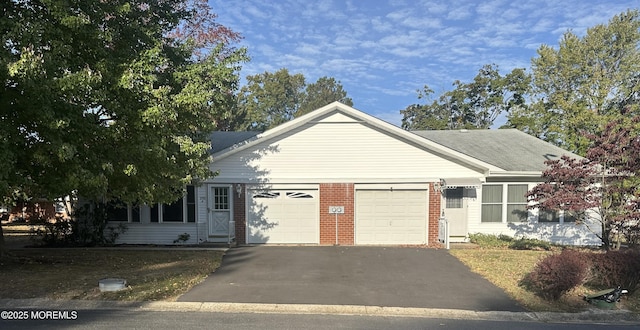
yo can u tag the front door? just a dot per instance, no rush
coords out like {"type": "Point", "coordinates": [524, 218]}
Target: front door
{"type": "Point", "coordinates": [219, 212]}
{"type": "Point", "coordinates": [455, 211]}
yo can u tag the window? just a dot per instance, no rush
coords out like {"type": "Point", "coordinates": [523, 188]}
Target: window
{"type": "Point", "coordinates": [119, 211]}
{"type": "Point", "coordinates": [517, 202]}
{"type": "Point", "coordinates": [548, 216]}
{"type": "Point", "coordinates": [298, 194]}
{"type": "Point", "coordinates": [504, 202]}
{"type": "Point", "coordinates": [267, 194]}
{"type": "Point", "coordinates": [173, 212]}
{"type": "Point", "coordinates": [569, 216]}
{"type": "Point", "coordinates": [491, 203]}
{"type": "Point", "coordinates": [453, 198]}
{"type": "Point", "coordinates": [191, 204]}
{"type": "Point", "coordinates": [60, 206]}
{"type": "Point", "coordinates": [221, 198]}
{"type": "Point", "coordinates": [553, 216]}
{"type": "Point", "coordinates": [182, 210]}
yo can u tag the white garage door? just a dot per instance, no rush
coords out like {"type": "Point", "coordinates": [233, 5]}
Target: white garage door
{"type": "Point", "coordinates": [391, 216]}
{"type": "Point", "coordinates": [283, 216]}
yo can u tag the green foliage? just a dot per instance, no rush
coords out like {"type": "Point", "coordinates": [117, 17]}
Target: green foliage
{"type": "Point", "coordinates": [476, 104]}
{"type": "Point", "coordinates": [56, 233]}
{"type": "Point", "coordinates": [88, 226]}
{"type": "Point", "coordinates": [584, 83]}
{"type": "Point", "coordinates": [490, 241]}
{"type": "Point", "coordinates": [270, 99]}
{"type": "Point", "coordinates": [111, 100]}
{"type": "Point", "coordinates": [530, 244]}
{"type": "Point", "coordinates": [324, 91]}
{"type": "Point", "coordinates": [182, 238]}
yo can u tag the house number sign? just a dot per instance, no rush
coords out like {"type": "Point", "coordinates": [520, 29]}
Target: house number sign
{"type": "Point", "coordinates": [336, 209]}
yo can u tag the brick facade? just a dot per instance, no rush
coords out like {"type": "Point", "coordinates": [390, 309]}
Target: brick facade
{"type": "Point", "coordinates": [239, 215]}
{"type": "Point", "coordinates": [337, 194]}
{"type": "Point", "coordinates": [434, 216]}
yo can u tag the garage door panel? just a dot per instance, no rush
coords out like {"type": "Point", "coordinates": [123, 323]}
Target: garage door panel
{"type": "Point", "coordinates": [283, 216]}
{"type": "Point", "coordinates": [391, 217]}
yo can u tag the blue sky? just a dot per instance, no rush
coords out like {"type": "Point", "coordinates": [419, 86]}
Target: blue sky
{"type": "Point", "coordinates": [384, 51]}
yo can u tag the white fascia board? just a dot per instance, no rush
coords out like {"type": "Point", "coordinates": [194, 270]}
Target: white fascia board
{"type": "Point", "coordinates": [498, 174]}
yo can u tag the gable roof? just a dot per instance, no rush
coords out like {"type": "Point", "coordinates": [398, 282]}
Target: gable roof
{"type": "Point", "coordinates": [222, 140]}
{"type": "Point", "coordinates": [495, 152]}
{"type": "Point", "coordinates": [227, 147]}
{"type": "Point", "coordinates": [509, 149]}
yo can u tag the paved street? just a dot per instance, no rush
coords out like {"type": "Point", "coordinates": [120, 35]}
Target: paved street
{"type": "Point", "coordinates": [131, 319]}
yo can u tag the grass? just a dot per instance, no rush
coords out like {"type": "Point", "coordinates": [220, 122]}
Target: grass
{"type": "Point", "coordinates": [506, 267]}
{"type": "Point", "coordinates": [74, 273]}
{"type": "Point", "coordinates": [166, 274]}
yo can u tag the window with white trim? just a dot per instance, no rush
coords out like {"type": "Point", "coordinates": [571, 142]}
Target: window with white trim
{"type": "Point", "coordinates": [556, 216]}
{"type": "Point", "coordinates": [492, 203]}
{"type": "Point", "coordinates": [517, 202]}
{"type": "Point", "coordinates": [182, 210]}
{"type": "Point", "coordinates": [504, 203]}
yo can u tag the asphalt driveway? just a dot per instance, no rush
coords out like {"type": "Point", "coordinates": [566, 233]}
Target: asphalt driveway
{"type": "Point", "coordinates": [337, 275]}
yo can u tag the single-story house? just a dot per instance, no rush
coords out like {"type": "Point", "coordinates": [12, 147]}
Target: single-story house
{"type": "Point", "coordinates": [341, 176]}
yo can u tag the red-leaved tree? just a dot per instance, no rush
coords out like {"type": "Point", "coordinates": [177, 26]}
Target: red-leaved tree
{"type": "Point", "coordinates": [604, 186]}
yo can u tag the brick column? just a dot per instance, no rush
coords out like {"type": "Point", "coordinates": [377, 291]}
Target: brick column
{"type": "Point", "coordinates": [337, 194]}
{"type": "Point", "coordinates": [434, 215]}
{"type": "Point", "coordinates": [239, 215]}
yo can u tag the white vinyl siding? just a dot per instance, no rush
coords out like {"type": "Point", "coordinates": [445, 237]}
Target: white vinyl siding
{"type": "Point", "coordinates": [157, 233]}
{"type": "Point", "coordinates": [337, 152]}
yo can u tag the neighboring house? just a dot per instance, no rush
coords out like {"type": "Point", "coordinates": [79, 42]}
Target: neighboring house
{"type": "Point", "coordinates": [36, 210]}
{"type": "Point", "coordinates": [340, 176]}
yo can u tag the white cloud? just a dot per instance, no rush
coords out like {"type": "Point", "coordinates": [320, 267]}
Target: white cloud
{"type": "Point", "coordinates": [385, 50]}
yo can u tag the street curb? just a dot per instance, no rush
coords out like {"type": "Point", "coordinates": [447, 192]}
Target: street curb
{"type": "Point", "coordinates": [600, 316]}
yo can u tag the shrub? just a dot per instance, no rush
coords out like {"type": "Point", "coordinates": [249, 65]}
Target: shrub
{"type": "Point", "coordinates": [557, 274]}
{"type": "Point", "coordinates": [614, 268]}
{"type": "Point", "coordinates": [530, 244]}
{"type": "Point", "coordinates": [57, 233]}
{"type": "Point", "coordinates": [490, 241]}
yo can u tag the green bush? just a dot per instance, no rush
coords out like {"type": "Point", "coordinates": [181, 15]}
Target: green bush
{"type": "Point", "coordinates": [490, 240]}
{"type": "Point", "coordinates": [530, 244]}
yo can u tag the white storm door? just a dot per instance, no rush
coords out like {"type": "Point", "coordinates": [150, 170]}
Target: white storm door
{"type": "Point", "coordinates": [219, 210]}
{"type": "Point", "coordinates": [455, 211]}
